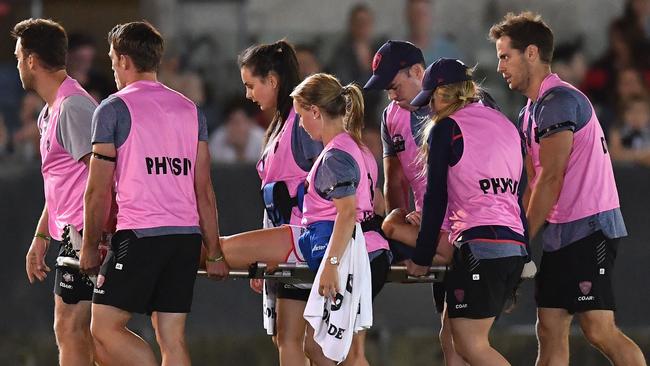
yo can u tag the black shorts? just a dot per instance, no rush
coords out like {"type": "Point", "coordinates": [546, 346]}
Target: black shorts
{"type": "Point", "coordinates": [379, 268]}
{"type": "Point", "coordinates": [143, 275]}
{"type": "Point", "coordinates": [69, 283]}
{"type": "Point", "coordinates": [400, 251]}
{"type": "Point", "coordinates": [438, 290]}
{"type": "Point", "coordinates": [289, 291]}
{"type": "Point", "coordinates": [478, 289]}
{"type": "Point", "coordinates": [578, 277]}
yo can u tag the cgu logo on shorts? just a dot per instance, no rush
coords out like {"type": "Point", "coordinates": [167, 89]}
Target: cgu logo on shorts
{"type": "Point", "coordinates": [459, 294]}
{"type": "Point", "coordinates": [100, 283]}
{"type": "Point", "coordinates": [68, 277]}
{"type": "Point", "coordinates": [585, 288]}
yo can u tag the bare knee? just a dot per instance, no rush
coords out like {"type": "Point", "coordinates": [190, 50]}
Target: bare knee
{"type": "Point", "coordinates": [388, 228]}
{"type": "Point", "coordinates": [284, 338]}
{"type": "Point", "coordinates": [171, 343]}
{"type": "Point", "coordinates": [312, 349]}
{"type": "Point", "coordinates": [467, 350]}
{"type": "Point", "coordinates": [551, 332]}
{"type": "Point", "coordinates": [99, 331]}
{"type": "Point", "coordinates": [599, 334]}
{"type": "Point", "coordinates": [70, 330]}
{"type": "Point", "coordinates": [169, 339]}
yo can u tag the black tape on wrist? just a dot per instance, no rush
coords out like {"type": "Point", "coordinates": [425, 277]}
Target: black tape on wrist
{"type": "Point", "coordinates": [104, 157]}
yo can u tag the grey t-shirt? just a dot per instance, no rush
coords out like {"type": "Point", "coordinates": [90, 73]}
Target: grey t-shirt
{"type": "Point", "coordinates": [111, 123]}
{"type": "Point", "coordinates": [337, 176]}
{"type": "Point", "coordinates": [73, 128]}
{"type": "Point", "coordinates": [565, 109]}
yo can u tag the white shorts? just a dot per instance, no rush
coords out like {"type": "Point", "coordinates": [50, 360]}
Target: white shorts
{"type": "Point", "coordinates": [295, 254]}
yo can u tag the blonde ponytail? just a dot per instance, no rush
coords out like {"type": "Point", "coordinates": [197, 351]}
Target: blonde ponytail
{"type": "Point", "coordinates": [326, 92]}
{"type": "Point", "coordinates": [459, 94]}
{"type": "Point", "coordinates": [354, 107]}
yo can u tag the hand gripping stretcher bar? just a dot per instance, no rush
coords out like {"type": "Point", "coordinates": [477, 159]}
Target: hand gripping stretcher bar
{"type": "Point", "coordinates": [299, 272]}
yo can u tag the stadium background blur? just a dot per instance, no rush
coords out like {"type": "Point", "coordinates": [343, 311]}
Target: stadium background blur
{"type": "Point", "coordinates": [602, 46]}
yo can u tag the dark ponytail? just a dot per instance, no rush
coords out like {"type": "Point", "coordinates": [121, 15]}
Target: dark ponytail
{"type": "Point", "coordinates": [279, 58]}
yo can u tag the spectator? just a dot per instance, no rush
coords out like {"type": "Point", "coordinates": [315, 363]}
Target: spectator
{"type": "Point", "coordinates": [4, 137]}
{"type": "Point", "coordinates": [629, 83]}
{"type": "Point", "coordinates": [308, 63]}
{"type": "Point", "coordinates": [26, 138]}
{"type": "Point", "coordinates": [569, 62]}
{"type": "Point", "coordinates": [419, 20]}
{"type": "Point", "coordinates": [239, 139]}
{"type": "Point", "coordinates": [173, 74]}
{"type": "Point", "coordinates": [80, 66]}
{"type": "Point", "coordinates": [630, 143]}
{"type": "Point", "coordinates": [372, 139]}
{"type": "Point", "coordinates": [626, 50]}
{"type": "Point", "coordinates": [638, 11]}
{"type": "Point", "coordinates": [352, 57]}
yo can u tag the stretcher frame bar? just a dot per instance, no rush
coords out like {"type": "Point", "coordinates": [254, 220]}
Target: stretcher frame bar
{"type": "Point", "coordinates": [299, 272]}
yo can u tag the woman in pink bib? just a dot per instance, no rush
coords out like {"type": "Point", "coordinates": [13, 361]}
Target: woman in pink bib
{"type": "Point", "coordinates": [269, 73]}
{"type": "Point", "coordinates": [474, 165]}
{"type": "Point", "coordinates": [338, 197]}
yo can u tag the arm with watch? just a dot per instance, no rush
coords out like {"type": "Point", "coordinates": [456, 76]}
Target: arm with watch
{"type": "Point", "coordinates": [35, 260]}
{"type": "Point", "coordinates": [341, 234]}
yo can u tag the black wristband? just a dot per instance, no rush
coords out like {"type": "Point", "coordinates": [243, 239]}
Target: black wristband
{"type": "Point", "coordinates": [103, 157]}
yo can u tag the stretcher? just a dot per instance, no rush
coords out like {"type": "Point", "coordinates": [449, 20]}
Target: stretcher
{"type": "Point", "coordinates": [299, 272]}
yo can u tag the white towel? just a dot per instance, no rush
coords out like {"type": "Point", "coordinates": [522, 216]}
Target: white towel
{"type": "Point", "coordinates": [269, 293]}
{"type": "Point", "coordinates": [269, 296]}
{"type": "Point", "coordinates": [335, 323]}
{"type": "Point", "coordinates": [270, 287]}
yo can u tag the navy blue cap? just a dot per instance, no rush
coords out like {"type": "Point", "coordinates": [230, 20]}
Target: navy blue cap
{"type": "Point", "coordinates": [442, 72]}
{"type": "Point", "coordinates": [392, 57]}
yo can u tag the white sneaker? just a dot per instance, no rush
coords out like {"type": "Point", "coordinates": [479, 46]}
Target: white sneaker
{"type": "Point", "coordinates": [529, 271]}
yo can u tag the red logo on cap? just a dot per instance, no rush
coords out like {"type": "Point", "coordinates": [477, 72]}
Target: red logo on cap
{"type": "Point", "coordinates": [375, 61]}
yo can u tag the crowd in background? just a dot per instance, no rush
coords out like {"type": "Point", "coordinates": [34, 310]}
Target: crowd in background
{"type": "Point", "coordinates": [617, 82]}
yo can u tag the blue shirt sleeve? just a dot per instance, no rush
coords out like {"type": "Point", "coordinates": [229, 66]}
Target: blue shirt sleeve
{"type": "Point", "coordinates": [440, 157]}
{"type": "Point", "coordinates": [337, 176]}
{"type": "Point", "coordinates": [561, 109]}
{"type": "Point", "coordinates": [203, 125]}
{"type": "Point", "coordinates": [111, 122]}
{"type": "Point", "coordinates": [304, 149]}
